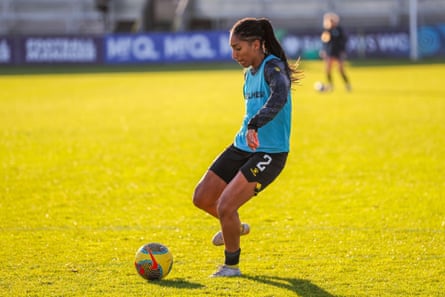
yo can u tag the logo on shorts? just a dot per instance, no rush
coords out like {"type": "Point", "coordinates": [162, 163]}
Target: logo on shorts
{"type": "Point", "coordinates": [254, 171]}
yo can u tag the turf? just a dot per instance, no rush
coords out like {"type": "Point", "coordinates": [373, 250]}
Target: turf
{"type": "Point", "coordinates": [94, 165]}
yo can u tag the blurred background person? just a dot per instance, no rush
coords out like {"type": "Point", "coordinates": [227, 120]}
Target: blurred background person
{"type": "Point", "coordinates": [334, 49]}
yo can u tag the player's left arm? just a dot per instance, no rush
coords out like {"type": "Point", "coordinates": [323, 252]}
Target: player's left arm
{"type": "Point", "coordinates": [279, 83]}
{"type": "Point", "coordinates": [343, 40]}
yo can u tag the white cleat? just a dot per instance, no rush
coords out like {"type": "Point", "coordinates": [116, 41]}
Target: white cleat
{"type": "Point", "coordinates": [218, 239]}
{"type": "Point", "coordinates": [226, 271]}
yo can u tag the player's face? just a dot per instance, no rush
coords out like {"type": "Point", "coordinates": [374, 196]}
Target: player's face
{"type": "Point", "coordinates": [246, 53]}
{"type": "Point", "coordinates": [328, 24]}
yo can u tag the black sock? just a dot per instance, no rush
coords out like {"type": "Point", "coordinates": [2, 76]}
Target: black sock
{"type": "Point", "coordinates": [232, 258]}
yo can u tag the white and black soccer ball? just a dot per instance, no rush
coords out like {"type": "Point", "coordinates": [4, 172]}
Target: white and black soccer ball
{"type": "Point", "coordinates": [319, 86]}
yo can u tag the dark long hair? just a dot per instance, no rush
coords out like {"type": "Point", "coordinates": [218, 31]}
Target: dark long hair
{"type": "Point", "coordinates": [250, 29]}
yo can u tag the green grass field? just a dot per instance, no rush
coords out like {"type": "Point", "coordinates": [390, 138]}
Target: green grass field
{"type": "Point", "coordinates": [92, 166]}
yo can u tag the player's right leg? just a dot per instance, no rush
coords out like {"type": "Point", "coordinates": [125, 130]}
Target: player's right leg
{"type": "Point", "coordinates": [206, 196]}
{"type": "Point", "coordinates": [208, 191]}
{"type": "Point", "coordinates": [221, 172]}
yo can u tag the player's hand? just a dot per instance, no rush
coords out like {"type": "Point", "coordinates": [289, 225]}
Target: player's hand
{"type": "Point", "coordinates": [252, 139]}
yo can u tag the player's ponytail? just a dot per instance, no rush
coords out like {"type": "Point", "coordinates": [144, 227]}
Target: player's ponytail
{"type": "Point", "coordinates": [250, 29]}
{"type": "Point", "coordinates": [271, 44]}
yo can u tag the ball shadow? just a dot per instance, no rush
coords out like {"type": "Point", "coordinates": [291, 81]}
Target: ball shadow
{"type": "Point", "coordinates": [177, 283]}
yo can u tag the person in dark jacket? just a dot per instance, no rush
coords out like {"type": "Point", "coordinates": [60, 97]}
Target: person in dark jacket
{"type": "Point", "coordinates": [333, 51]}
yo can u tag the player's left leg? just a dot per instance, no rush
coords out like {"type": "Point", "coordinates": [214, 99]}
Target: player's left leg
{"type": "Point", "coordinates": [341, 69]}
{"type": "Point", "coordinates": [237, 193]}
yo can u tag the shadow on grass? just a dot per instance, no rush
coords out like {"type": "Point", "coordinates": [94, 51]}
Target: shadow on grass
{"type": "Point", "coordinates": [177, 283]}
{"type": "Point", "coordinates": [301, 287]}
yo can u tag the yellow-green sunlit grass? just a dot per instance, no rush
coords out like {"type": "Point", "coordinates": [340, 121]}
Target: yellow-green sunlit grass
{"type": "Point", "coordinates": [94, 165]}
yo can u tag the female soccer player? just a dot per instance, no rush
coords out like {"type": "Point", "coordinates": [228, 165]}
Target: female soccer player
{"type": "Point", "coordinates": [334, 48]}
{"type": "Point", "coordinates": [261, 146]}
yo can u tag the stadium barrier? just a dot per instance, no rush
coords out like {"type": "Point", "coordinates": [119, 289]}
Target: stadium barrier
{"type": "Point", "coordinates": [209, 46]}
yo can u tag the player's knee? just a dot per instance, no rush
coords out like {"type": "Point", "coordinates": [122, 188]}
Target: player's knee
{"type": "Point", "coordinates": [225, 210]}
{"type": "Point", "coordinates": [201, 198]}
{"type": "Point", "coordinates": [198, 200]}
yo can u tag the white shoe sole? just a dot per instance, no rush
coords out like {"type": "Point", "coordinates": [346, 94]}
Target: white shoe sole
{"type": "Point", "coordinates": [218, 238]}
{"type": "Point", "coordinates": [224, 271]}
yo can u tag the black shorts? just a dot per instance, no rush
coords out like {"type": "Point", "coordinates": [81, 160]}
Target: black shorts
{"type": "Point", "coordinates": [258, 167]}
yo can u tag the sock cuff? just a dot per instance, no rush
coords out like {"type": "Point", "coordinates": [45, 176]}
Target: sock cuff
{"type": "Point", "coordinates": [232, 258]}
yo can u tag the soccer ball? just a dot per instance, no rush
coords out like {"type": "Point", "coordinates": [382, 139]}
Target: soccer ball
{"type": "Point", "coordinates": [153, 261]}
{"type": "Point", "coordinates": [319, 86]}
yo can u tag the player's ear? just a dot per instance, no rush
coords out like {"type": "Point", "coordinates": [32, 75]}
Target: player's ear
{"type": "Point", "coordinates": [256, 44]}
